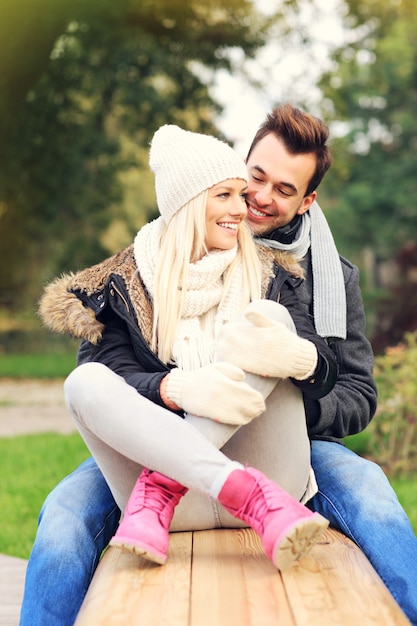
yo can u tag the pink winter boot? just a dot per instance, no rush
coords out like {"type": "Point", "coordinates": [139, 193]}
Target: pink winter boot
{"type": "Point", "coordinates": [287, 528]}
{"type": "Point", "coordinates": [144, 528]}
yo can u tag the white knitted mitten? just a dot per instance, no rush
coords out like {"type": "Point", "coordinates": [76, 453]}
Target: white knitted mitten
{"type": "Point", "coordinates": [267, 348]}
{"type": "Point", "coordinates": [217, 391]}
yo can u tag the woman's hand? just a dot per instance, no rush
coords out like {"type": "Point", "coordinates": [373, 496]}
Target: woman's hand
{"type": "Point", "coordinates": [267, 348]}
{"type": "Point", "coordinates": [217, 391]}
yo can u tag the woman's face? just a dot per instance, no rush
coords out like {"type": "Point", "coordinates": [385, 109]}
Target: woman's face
{"type": "Point", "coordinates": [225, 211]}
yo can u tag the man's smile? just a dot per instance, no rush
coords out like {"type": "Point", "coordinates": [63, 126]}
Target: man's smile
{"type": "Point", "coordinates": [257, 213]}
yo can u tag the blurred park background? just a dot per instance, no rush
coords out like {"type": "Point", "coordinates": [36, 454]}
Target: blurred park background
{"type": "Point", "coordinates": [85, 83]}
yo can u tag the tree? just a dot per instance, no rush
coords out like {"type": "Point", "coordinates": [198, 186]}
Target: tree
{"type": "Point", "coordinates": [84, 86]}
{"type": "Point", "coordinates": [397, 310]}
{"type": "Point", "coordinates": [371, 93]}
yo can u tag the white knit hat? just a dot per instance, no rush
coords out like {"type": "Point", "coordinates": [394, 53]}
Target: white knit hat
{"type": "Point", "coordinates": [187, 163]}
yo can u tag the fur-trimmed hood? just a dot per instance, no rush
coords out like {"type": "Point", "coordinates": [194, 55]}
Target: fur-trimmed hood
{"type": "Point", "coordinates": [71, 303]}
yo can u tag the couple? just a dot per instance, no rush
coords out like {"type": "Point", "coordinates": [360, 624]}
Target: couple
{"type": "Point", "coordinates": [173, 323]}
{"type": "Point", "coordinates": [285, 164]}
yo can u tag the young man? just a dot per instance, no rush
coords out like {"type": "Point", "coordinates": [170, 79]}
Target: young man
{"type": "Point", "coordinates": [286, 162]}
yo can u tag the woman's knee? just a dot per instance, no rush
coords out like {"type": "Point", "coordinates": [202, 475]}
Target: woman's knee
{"type": "Point", "coordinates": [272, 310]}
{"type": "Point", "coordinates": [84, 375]}
{"type": "Point", "coordinates": [84, 381]}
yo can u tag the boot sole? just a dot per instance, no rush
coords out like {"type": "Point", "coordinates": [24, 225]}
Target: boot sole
{"type": "Point", "coordinates": [140, 550]}
{"type": "Point", "coordinates": [298, 541]}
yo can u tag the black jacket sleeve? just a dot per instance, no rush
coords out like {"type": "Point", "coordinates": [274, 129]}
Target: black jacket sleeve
{"type": "Point", "coordinates": [123, 354]}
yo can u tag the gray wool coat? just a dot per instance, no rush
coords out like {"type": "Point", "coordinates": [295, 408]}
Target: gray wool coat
{"type": "Point", "coordinates": [351, 404]}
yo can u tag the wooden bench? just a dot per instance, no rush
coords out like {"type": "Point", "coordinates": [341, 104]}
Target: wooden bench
{"type": "Point", "coordinates": [223, 578]}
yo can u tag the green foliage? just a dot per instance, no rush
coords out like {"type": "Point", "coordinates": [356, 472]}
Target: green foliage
{"type": "Point", "coordinates": [55, 365]}
{"type": "Point", "coordinates": [406, 489]}
{"type": "Point", "coordinates": [81, 93]}
{"type": "Point", "coordinates": [30, 351]}
{"type": "Point", "coordinates": [370, 97]}
{"type": "Point", "coordinates": [359, 443]}
{"type": "Point", "coordinates": [29, 468]}
{"type": "Point", "coordinates": [373, 91]}
{"type": "Point", "coordinates": [392, 434]}
{"type": "Point", "coordinates": [396, 309]}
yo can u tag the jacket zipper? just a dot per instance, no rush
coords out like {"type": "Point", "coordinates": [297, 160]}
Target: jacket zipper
{"type": "Point", "coordinates": [119, 293]}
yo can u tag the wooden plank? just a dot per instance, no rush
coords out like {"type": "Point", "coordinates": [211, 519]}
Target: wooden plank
{"type": "Point", "coordinates": [222, 578]}
{"type": "Point", "coordinates": [126, 589]}
{"type": "Point", "coordinates": [335, 585]}
{"type": "Point", "coordinates": [12, 578]}
{"type": "Point", "coordinates": [233, 582]}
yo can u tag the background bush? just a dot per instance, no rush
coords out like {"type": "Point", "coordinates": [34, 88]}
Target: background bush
{"type": "Point", "coordinates": [391, 438]}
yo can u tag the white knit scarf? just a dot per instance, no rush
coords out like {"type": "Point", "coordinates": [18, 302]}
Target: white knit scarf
{"type": "Point", "coordinates": [329, 293]}
{"type": "Point", "coordinates": [204, 310]}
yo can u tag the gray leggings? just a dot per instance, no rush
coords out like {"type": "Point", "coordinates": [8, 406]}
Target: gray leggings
{"type": "Point", "coordinates": [125, 432]}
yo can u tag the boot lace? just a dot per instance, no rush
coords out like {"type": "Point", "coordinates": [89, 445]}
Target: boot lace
{"type": "Point", "coordinates": [262, 499]}
{"type": "Point", "coordinates": [153, 496]}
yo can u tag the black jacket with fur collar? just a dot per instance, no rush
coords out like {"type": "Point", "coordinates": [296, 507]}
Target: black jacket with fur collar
{"type": "Point", "coordinates": [108, 308]}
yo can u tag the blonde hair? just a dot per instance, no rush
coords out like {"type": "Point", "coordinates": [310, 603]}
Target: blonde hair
{"type": "Point", "coordinates": [182, 242]}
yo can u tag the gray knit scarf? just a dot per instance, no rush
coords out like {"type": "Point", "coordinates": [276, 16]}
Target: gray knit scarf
{"type": "Point", "coordinates": [329, 294]}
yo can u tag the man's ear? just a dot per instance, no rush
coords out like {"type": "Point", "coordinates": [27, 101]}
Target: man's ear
{"type": "Point", "coordinates": [307, 202]}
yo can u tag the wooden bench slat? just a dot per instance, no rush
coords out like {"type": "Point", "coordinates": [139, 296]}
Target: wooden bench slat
{"type": "Point", "coordinates": [222, 577]}
{"type": "Point", "coordinates": [233, 582]}
{"type": "Point", "coordinates": [336, 585]}
{"type": "Point", "coordinates": [127, 590]}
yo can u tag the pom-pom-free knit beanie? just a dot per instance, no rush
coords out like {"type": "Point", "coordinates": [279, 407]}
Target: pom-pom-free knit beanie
{"type": "Point", "coordinates": [186, 163]}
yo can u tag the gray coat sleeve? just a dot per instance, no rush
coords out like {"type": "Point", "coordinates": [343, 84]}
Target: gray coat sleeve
{"type": "Point", "coordinates": [351, 404]}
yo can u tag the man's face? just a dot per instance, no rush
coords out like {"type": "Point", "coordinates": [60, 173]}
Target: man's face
{"type": "Point", "coordinates": [277, 183]}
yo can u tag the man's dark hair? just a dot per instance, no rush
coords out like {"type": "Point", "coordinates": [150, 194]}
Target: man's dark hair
{"type": "Point", "coordinates": [301, 133]}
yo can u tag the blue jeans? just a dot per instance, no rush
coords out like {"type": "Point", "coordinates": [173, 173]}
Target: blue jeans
{"type": "Point", "coordinates": [356, 497]}
{"type": "Point", "coordinates": [76, 523]}
{"type": "Point", "coordinates": [79, 517]}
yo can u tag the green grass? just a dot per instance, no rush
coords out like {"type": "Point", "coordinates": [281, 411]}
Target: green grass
{"type": "Point", "coordinates": [30, 467]}
{"type": "Point", "coordinates": [52, 365]}
{"type": "Point", "coordinates": [406, 490]}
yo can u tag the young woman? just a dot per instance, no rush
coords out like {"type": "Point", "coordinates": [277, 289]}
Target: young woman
{"type": "Point", "coordinates": [155, 397]}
